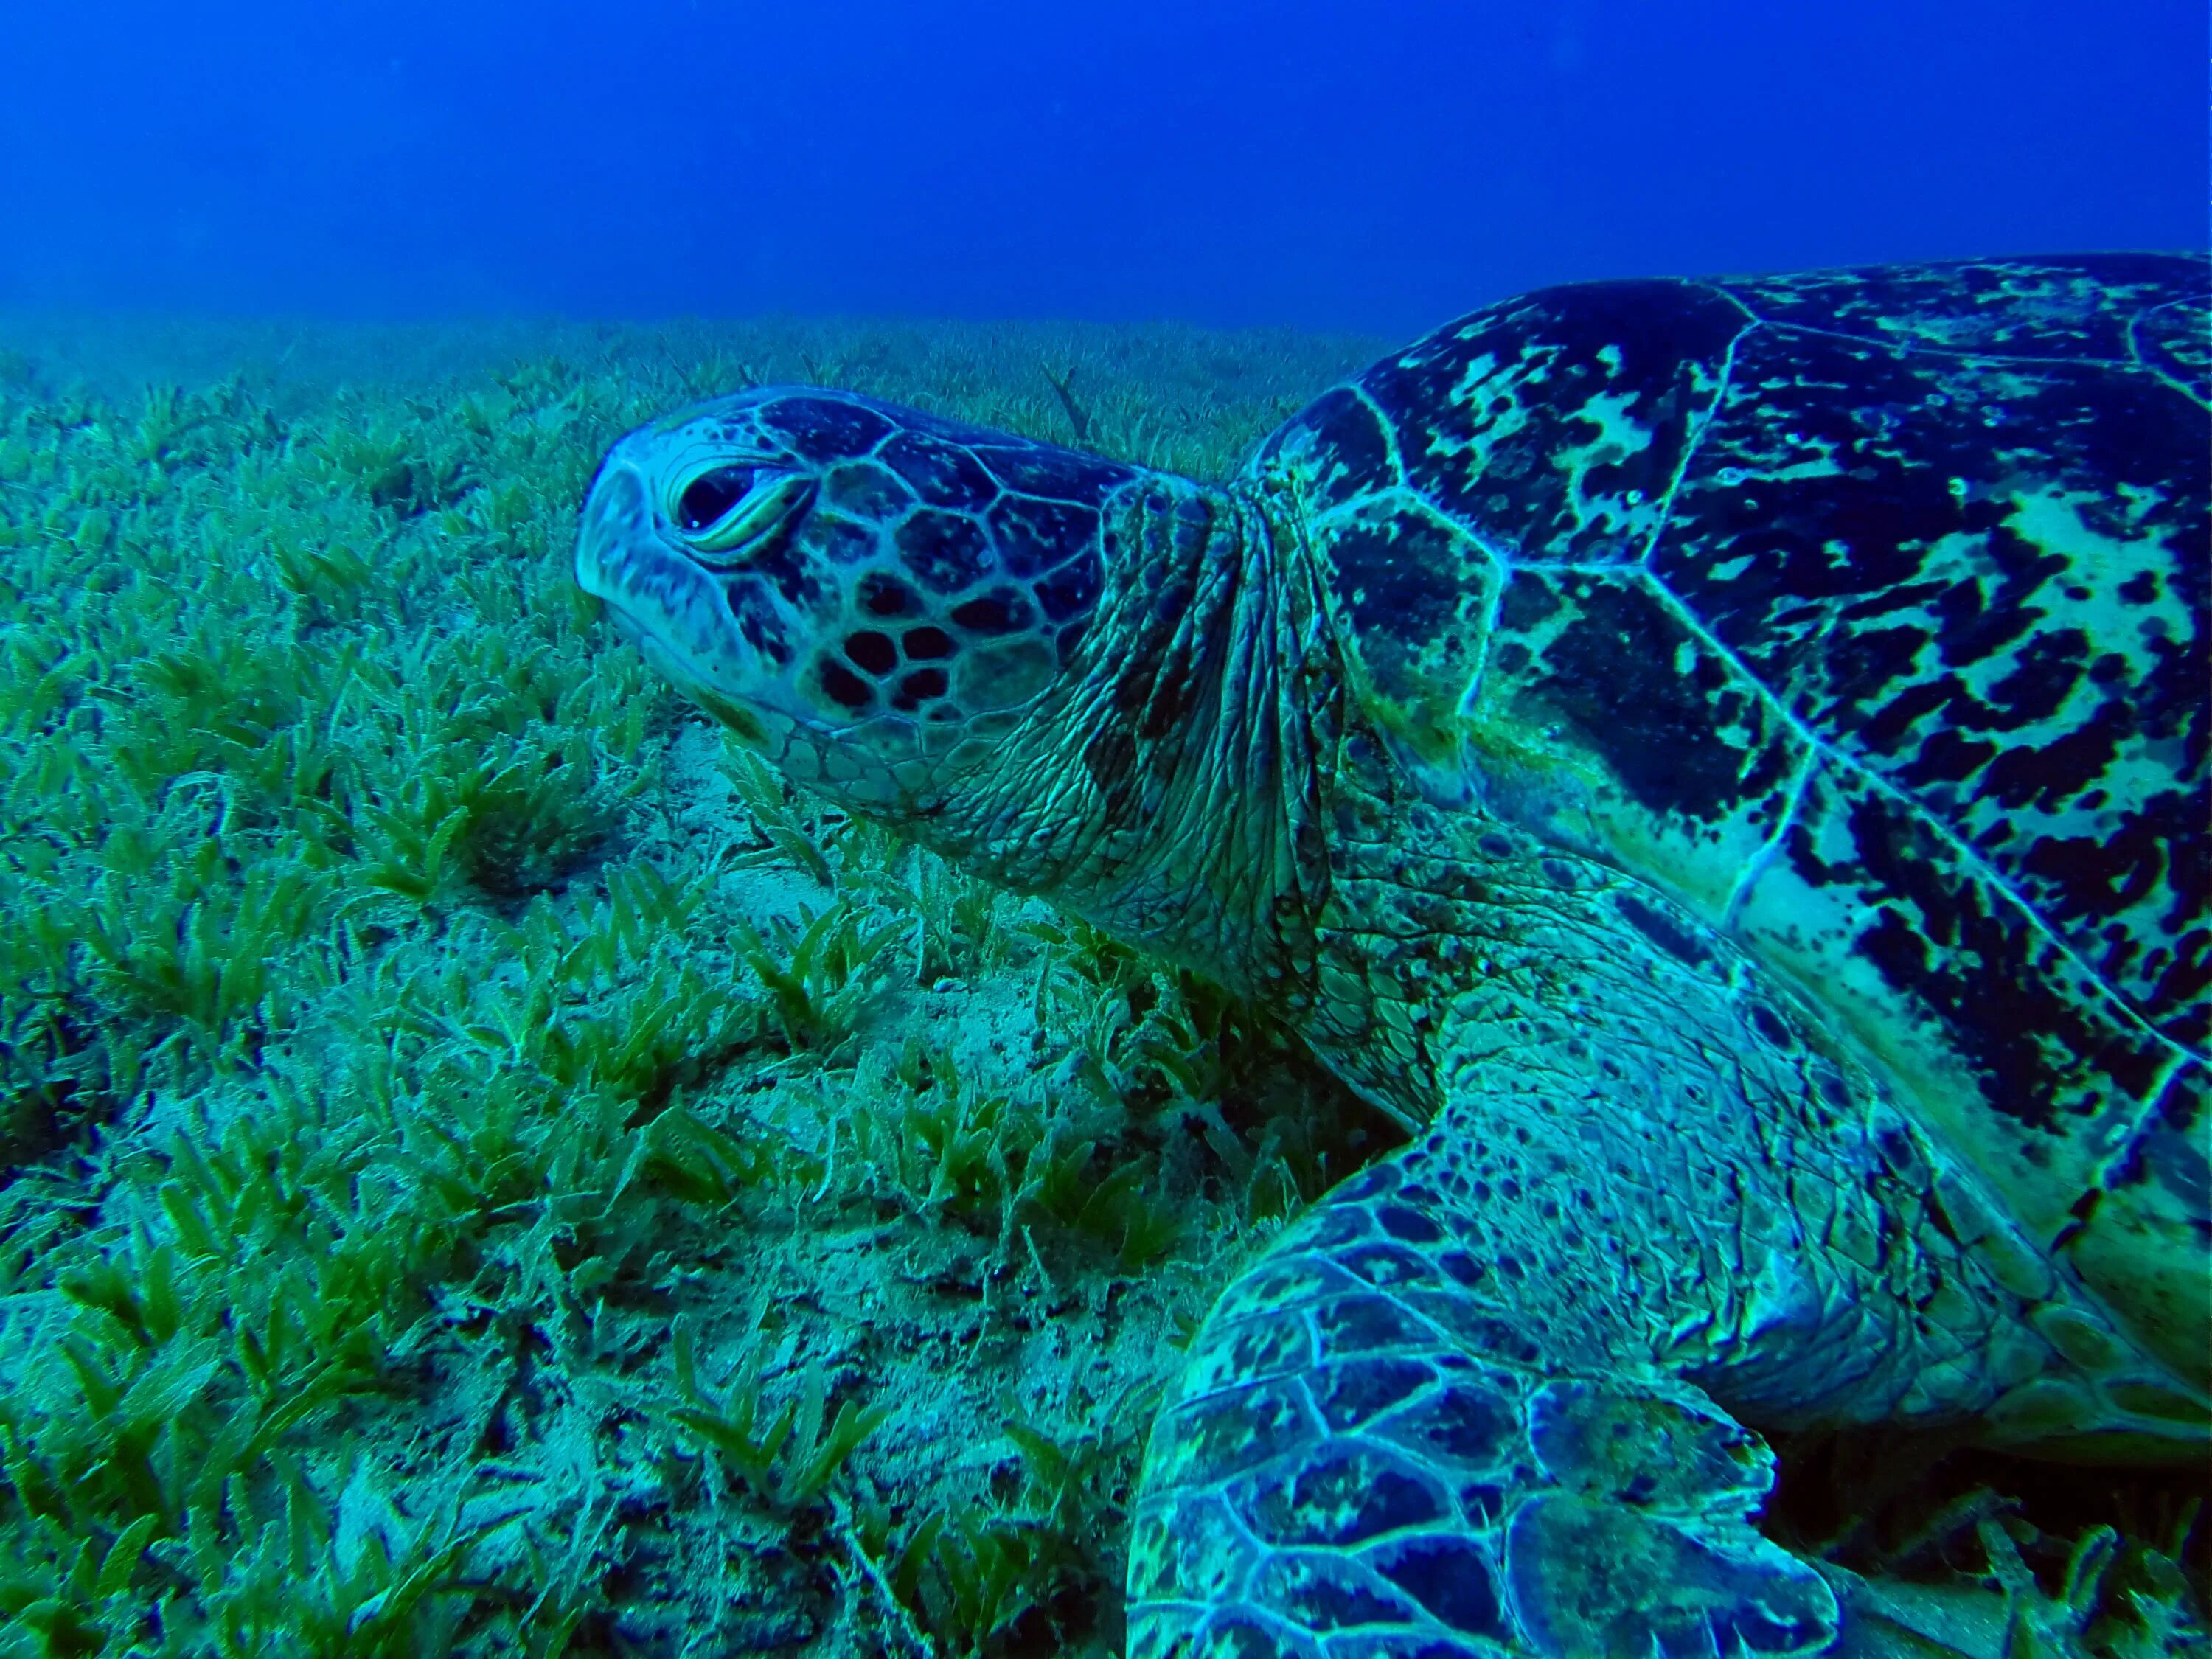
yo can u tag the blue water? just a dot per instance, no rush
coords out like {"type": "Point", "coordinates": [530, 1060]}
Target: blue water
{"type": "Point", "coordinates": [1370, 166]}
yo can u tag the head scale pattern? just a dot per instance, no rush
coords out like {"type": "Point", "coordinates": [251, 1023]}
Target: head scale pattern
{"type": "Point", "coordinates": [816, 565]}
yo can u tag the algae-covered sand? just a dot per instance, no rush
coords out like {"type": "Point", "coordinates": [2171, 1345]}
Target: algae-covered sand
{"type": "Point", "coordinates": [493, 1170]}
{"type": "Point", "coordinates": [486, 1169]}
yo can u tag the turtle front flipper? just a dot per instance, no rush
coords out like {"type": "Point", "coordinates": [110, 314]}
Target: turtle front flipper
{"type": "Point", "coordinates": [1367, 1454]}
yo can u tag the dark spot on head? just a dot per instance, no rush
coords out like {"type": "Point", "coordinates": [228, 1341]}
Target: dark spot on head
{"type": "Point", "coordinates": [1001, 610]}
{"type": "Point", "coordinates": [926, 644]}
{"type": "Point", "coordinates": [945, 550]}
{"type": "Point", "coordinates": [1036, 536]}
{"type": "Point", "coordinates": [844, 686]}
{"type": "Point", "coordinates": [943, 474]}
{"type": "Point", "coordinates": [865, 490]}
{"type": "Point", "coordinates": [886, 596]}
{"type": "Point", "coordinates": [759, 623]}
{"type": "Point", "coordinates": [1072, 589]}
{"type": "Point", "coordinates": [1494, 846]}
{"type": "Point", "coordinates": [1060, 475]}
{"type": "Point", "coordinates": [842, 541]}
{"type": "Point", "coordinates": [919, 687]}
{"type": "Point", "coordinates": [824, 428]}
{"type": "Point", "coordinates": [872, 651]}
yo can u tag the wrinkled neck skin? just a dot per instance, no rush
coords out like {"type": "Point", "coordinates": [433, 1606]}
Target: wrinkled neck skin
{"type": "Point", "coordinates": [1166, 791]}
{"type": "Point", "coordinates": [1481, 986]}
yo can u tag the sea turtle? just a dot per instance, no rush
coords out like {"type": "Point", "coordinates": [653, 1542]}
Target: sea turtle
{"type": "Point", "coordinates": [1724, 761]}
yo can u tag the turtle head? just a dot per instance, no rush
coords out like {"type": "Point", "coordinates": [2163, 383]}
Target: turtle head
{"type": "Point", "coordinates": [869, 595]}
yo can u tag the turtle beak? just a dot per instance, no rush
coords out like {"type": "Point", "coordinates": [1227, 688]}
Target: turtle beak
{"type": "Point", "coordinates": [661, 600]}
{"type": "Point", "coordinates": [615, 514]}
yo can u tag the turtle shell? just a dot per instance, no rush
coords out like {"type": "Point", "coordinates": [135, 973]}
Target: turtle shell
{"type": "Point", "coordinates": [1863, 612]}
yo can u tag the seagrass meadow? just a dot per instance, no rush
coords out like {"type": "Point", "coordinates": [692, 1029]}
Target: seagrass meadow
{"type": "Point", "coordinates": [485, 1169]}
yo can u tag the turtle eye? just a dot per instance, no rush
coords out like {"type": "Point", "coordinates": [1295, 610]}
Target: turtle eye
{"type": "Point", "coordinates": [734, 509]}
{"type": "Point", "coordinates": [710, 496]}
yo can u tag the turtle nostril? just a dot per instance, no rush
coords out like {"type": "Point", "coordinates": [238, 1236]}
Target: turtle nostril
{"type": "Point", "coordinates": [711, 496]}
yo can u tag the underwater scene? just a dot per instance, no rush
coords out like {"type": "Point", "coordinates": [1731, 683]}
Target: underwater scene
{"type": "Point", "coordinates": [980, 832]}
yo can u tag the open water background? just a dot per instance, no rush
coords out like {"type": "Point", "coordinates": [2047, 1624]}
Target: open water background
{"type": "Point", "coordinates": [1356, 165]}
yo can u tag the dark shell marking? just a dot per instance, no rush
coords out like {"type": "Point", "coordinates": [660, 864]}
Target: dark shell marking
{"type": "Point", "coordinates": [1863, 613]}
